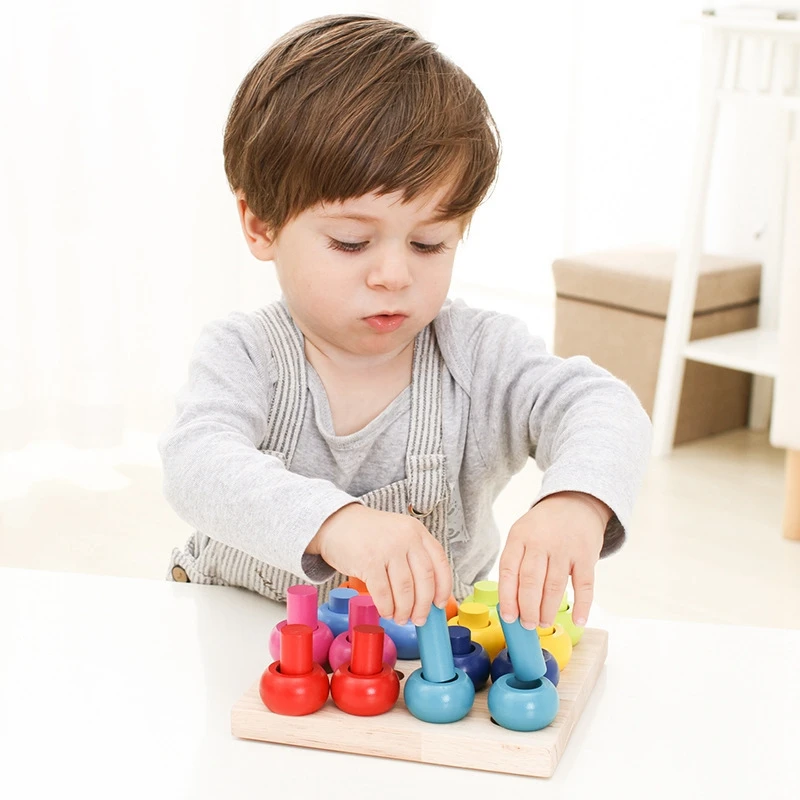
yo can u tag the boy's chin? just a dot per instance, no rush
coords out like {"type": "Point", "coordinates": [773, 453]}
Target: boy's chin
{"type": "Point", "coordinates": [385, 345]}
{"type": "Point", "coordinates": [376, 344]}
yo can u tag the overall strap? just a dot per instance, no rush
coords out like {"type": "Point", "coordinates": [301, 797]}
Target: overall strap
{"type": "Point", "coordinates": [288, 407]}
{"type": "Point", "coordinates": [425, 468]}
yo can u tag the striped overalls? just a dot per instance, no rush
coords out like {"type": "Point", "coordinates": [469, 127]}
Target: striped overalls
{"type": "Point", "coordinates": [423, 493]}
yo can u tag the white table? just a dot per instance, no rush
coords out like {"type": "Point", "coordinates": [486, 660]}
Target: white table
{"type": "Point", "coordinates": [113, 687]}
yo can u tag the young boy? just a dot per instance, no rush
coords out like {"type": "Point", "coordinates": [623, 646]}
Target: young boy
{"type": "Point", "coordinates": [364, 425]}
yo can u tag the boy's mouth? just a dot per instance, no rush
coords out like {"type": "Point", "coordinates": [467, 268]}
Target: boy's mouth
{"type": "Point", "coordinates": [385, 323]}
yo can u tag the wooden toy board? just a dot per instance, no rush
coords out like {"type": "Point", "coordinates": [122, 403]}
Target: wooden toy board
{"type": "Point", "coordinates": [474, 742]}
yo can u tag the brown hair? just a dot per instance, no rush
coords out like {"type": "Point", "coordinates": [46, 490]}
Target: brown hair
{"type": "Point", "coordinates": [347, 105]}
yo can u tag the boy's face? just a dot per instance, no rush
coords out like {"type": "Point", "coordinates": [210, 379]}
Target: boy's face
{"type": "Point", "coordinates": [363, 276]}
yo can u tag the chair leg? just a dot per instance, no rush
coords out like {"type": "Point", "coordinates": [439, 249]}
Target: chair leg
{"type": "Point", "coordinates": [760, 403]}
{"type": "Point", "coordinates": [791, 514]}
{"type": "Point", "coordinates": [684, 281]}
{"type": "Point", "coordinates": [761, 398]}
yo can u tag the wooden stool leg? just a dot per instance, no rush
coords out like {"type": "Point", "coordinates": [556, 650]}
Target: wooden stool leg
{"type": "Point", "coordinates": [791, 515]}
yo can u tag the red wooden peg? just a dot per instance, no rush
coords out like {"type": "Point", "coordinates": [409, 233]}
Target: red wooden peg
{"type": "Point", "coordinates": [295, 685]}
{"type": "Point", "coordinates": [365, 686]}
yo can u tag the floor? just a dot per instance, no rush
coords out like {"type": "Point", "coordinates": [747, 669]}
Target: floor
{"type": "Point", "coordinates": [705, 543]}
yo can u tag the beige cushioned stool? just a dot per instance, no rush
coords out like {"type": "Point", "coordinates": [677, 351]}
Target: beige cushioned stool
{"type": "Point", "coordinates": [611, 306]}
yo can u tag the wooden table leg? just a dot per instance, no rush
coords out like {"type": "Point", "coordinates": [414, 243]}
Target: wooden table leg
{"type": "Point", "coordinates": [791, 515]}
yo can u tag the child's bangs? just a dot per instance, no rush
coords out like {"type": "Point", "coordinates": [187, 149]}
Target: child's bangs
{"type": "Point", "coordinates": [425, 129]}
{"type": "Point", "coordinates": [379, 110]}
{"type": "Point", "coordinates": [465, 174]}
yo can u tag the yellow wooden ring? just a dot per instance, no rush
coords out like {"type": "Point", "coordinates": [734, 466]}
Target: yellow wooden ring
{"type": "Point", "coordinates": [484, 628]}
{"type": "Point", "coordinates": [556, 641]}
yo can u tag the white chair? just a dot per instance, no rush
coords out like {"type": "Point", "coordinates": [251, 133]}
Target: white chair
{"type": "Point", "coordinates": [769, 350]}
{"type": "Point", "coordinates": [773, 89]}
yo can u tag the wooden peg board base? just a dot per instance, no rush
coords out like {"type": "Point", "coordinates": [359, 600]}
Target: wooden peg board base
{"type": "Point", "coordinates": [474, 742]}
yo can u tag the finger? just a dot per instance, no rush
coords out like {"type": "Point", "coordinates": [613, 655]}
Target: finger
{"type": "Point", "coordinates": [442, 577]}
{"type": "Point", "coordinates": [508, 583]}
{"type": "Point", "coordinates": [554, 585]}
{"type": "Point", "coordinates": [380, 591]}
{"type": "Point", "coordinates": [583, 587]}
{"type": "Point", "coordinates": [424, 583]}
{"type": "Point", "coordinates": [402, 583]}
{"type": "Point", "coordinates": [532, 572]}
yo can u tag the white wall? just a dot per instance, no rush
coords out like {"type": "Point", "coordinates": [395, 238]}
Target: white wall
{"type": "Point", "coordinates": [118, 235]}
{"type": "Point", "coordinates": [597, 104]}
{"type": "Point", "coordinates": [636, 100]}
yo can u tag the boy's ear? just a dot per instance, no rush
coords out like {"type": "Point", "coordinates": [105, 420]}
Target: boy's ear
{"type": "Point", "coordinates": [257, 234]}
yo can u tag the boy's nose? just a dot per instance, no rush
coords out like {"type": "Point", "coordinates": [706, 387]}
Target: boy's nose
{"type": "Point", "coordinates": [389, 271]}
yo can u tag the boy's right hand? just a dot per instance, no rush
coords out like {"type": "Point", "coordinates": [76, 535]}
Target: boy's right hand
{"type": "Point", "coordinates": [403, 565]}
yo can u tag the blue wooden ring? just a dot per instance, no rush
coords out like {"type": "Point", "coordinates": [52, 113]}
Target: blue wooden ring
{"type": "Point", "coordinates": [523, 706]}
{"type": "Point", "coordinates": [334, 613]}
{"type": "Point", "coordinates": [439, 702]}
{"type": "Point", "coordinates": [404, 638]}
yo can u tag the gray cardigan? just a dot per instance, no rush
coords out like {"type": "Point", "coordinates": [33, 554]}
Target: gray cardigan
{"type": "Point", "coordinates": [505, 399]}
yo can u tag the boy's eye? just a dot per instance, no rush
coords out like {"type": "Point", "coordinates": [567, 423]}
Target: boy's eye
{"type": "Point", "coordinates": [433, 249]}
{"type": "Point", "coordinates": [357, 247]}
{"type": "Point", "coordinates": [347, 247]}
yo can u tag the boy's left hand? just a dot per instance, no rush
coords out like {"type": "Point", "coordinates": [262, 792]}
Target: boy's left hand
{"type": "Point", "coordinates": [561, 535]}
